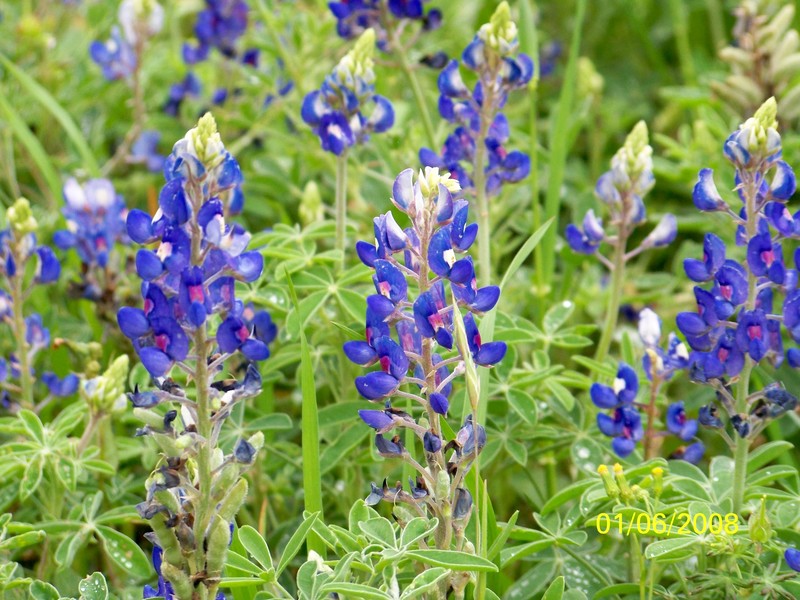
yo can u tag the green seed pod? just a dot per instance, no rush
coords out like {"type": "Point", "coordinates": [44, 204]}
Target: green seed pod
{"type": "Point", "coordinates": [218, 541]}
{"type": "Point", "coordinates": [442, 485]}
{"type": "Point", "coordinates": [181, 584]}
{"type": "Point", "coordinates": [233, 501]}
{"type": "Point", "coordinates": [167, 540]}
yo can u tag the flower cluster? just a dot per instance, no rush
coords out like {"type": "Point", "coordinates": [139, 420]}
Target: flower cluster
{"type": "Point", "coordinates": [354, 17]}
{"type": "Point", "coordinates": [219, 25]}
{"type": "Point", "coordinates": [119, 56]}
{"type": "Point", "coordinates": [189, 290]}
{"type": "Point", "coordinates": [622, 190]}
{"type": "Point", "coordinates": [423, 279]}
{"type": "Point", "coordinates": [188, 87]}
{"type": "Point", "coordinates": [482, 131]}
{"type": "Point", "coordinates": [336, 111]}
{"type": "Point", "coordinates": [736, 325]}
{"type": "Point", "coordinates": [95, 216]}
{"type": "Point", "coordinates": [18, 248]}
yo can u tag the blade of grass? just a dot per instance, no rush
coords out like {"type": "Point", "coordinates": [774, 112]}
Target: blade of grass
{"type": "Point", "coordinates": [33, 146]}
{"type": "Point", "coordinates": [529, 43]}
{"type": "Point", "coordinates": [41, 95]}
{"type": "Point", "coordinates": [558, 152]}
{"type": "Point", "coordinates": [487, 324]}
{"type": "Point", "coordinates": [312, 478]}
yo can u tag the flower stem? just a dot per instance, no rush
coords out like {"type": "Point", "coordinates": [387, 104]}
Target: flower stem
{"type": "Point", "coordinates": [419, 96]}
{"type": "Point", "coordinates": [341, 203]}
{"type": "Point", "coordinates": [23, 351]}
{"type": "Point", "coordinates": [612, 310]}
{"type": "Point", "coordinates": [650, 435]}
{"type": "Point", "coordinates": [743, 387]}
{"type": "Point", "coordinates": [479, 179]}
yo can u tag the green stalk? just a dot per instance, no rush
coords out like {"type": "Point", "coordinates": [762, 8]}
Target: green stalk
{"type": "Point", "coordinates": [18, 304]}
{"type": "Point", "coordinates": [612, 309]}
{"type": "Point", "coordinates": [558, 153]}
{"type": "Point", "coordinates": [682, 41]}
{"type": "Point", "coordinates": [341, 204]}
{"type": "Point", "coordinates": [419, 97]}
{"type": "Point", "coordinates": [743, 387]}
{"type": "Point", "coordinates": [312, 477]}
{"type": "Point", "coordinates": [408, 70]}
{"type": "Point", "coordinates": [529, 41]}
{"type": "Point", "coordinates": [484, 232]}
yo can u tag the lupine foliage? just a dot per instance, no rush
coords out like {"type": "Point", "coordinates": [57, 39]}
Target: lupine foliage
{"type": "Point", "coordinates": [476, 300]}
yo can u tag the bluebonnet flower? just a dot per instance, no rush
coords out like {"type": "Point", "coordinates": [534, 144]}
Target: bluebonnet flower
{"type": "Point", "coordinates": [145, 151]}
{"type": "Point", "coordinates": [478, 141]}
{"type": "Point", "coordinates": [422, 276]}
{"type": "Point", "coordinates": [621, 189]}
{"type": "Point", "coordinates": [792, 556]}
{"type": "Point", "coordinates": [737, 324]}
{"type": "Point", "coordinates": [95, 216]}
{"type": "Point", "coordinates": [354, 17]}
{"type": "Point", "coordinates": [191, 318]}
{"type": "Point", "coordinates": [189, 87]}
{"type": "Point", "coordinates": [219, 25]}
{"type": "Point", "coordinates": [18, 247]}
{"type": "Point", "coordinates": [337, 112]}
{"type": "Point", "coordinates": [115, 57]}
{"type": "Point", "coordinates": [120, 56]}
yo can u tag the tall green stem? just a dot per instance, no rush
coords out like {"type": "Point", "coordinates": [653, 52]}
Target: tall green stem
{"type": "Point", "coordinates": [341, 203]}
{"type": "Point", "coordinates": [23, 350]}
{"type": "Point", "coordinates": [612, 310]}
{"type": "Point", "coordinates": [408, 70]}
{"type": "Point", "coordinates": [419, 97]}
{"type": "Point", "coordinates": [743, 387]}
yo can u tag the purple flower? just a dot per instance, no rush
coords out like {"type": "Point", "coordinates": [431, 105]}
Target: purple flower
{"type": "Point", "coordinates": [625, 427]}
{"type": "Point", "coordinates": [115, 57]}
{"type": "Point", "coordinates": [677, 422]}
{"type": "Point", "coordinates": [624, 390]}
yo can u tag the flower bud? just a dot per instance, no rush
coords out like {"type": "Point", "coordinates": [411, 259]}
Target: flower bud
{"type": "Point", "coordinates": [21, 218]}
{"type": "Point", "coordinates": [624, 488]}
{"type": "Point", "coordinates": [758, 525]}
{"type": "Point", "coordinates": [612, 489]}
{"type": "Point", "coordinates": [658, 480]}
{"type": "Point", "coordinates": [500, 33]}
{"type": "Point", "coordinates": [311, 209]}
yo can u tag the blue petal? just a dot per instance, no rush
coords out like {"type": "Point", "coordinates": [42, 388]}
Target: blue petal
{"type": "Point", "coordinates": [376, 385]}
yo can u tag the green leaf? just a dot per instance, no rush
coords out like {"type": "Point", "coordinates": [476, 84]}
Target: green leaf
{"type": "Point", "coordinates": [767, 453]}
{"type": "Point", "coordinates": [672, 549]}
{"type": "Point", "coordinates": [93, 587]}
{"type": "Point", "coordinates": [32, 425]}
{"type": "Point", "coordinates": [23, 540]}
{"type": "Point", "coordinates": [500, 541]}
{"type": "Point", "coordinates": [98, 466]}
{"type": "Point", "coordinates": [353, 590]}
{"type": "Point", "coordinates": [556, 316]}
{"type": "Point", "coordinates": [424, 582]}
{"type": "Point", "coordinates": [32, 478]}
{"type": "Point", "coordinates": [273, 422]}
{"type": "Point", "coordinates": [618, 589]}
{"type": "Point", "coordinates": [524, 252]}
{"type": "Point", "coordinates": [562, 394]}
{"type": "Point", "coordinates": [125, 553]}
{"type": "Point", "coordinates": [555, 590]}
{"type": "Point", "coordinates": [295, 543]}
{"type": "Point", "coordinates": [44, 97]}
{"type": "Point", "coordinates": [523, 404]}
{"type": "Point", "coordinates": [417, 529]}
{"type": "Point", "coordinates": [379, 530]}
{"type": "Point", "coordinates": [565, 495]}
{"type": "Point", "coordinates": [40, 590]}
{"type": "Point", "coordinates": [236, 561]}
{"type": "Point", "coordinates": [256, 546]}
{"type": "Point", "coordinates": [453, 560]}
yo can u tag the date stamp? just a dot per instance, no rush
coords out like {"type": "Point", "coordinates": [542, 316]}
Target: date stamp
{"type": "Point", "coordinates": [675, 524]}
